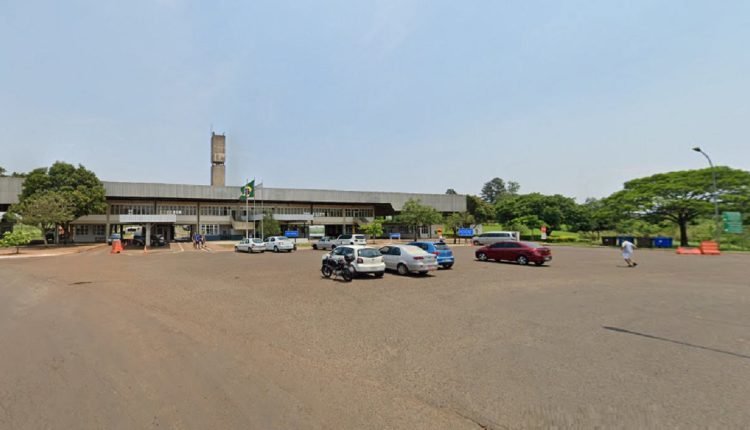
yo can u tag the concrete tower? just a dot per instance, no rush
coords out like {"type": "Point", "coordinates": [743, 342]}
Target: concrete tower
{"type": "Point", "coordinates": [218, 155]}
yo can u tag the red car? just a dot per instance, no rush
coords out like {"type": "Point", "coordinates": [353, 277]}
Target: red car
{"type": "Point", "coordinates": [520, 252]}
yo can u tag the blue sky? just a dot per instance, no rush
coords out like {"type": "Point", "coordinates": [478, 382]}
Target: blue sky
{"type": "Point", "coordinates": [571, 97]}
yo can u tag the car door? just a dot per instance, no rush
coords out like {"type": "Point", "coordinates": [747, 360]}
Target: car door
{"type": "Point", "coordinates": [512, 250]}
{"type": "Point", "coordinates": [384, 251]}
{"type": "Point", "coordinates": [270, 243]}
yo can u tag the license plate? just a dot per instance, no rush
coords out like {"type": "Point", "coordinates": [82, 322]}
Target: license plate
{"type": "Point", "coordinates": [547, 258]}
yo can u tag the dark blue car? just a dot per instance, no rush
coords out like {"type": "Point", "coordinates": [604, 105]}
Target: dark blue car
{"type": "Point", "coordinates": [440, 249]}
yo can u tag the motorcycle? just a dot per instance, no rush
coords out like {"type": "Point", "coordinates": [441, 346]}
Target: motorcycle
{"type": "Point", "coordinates": [338, 267]}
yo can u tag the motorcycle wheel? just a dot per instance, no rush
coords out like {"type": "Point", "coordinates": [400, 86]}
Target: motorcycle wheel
{"type": "Point", "coordinates": [326, 271]}
{"type": "Point", "coordinates": [347, 275]}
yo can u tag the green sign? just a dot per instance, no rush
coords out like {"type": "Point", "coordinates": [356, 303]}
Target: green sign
{"type": "Point", "coordinates": [732, 222]}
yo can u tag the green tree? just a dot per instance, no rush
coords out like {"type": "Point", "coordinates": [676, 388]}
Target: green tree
{"type": "Point", "coordinates": [15, 238]}
{"type": "Point", "coordinates": [554, 211]}
{"type": "Point", "coordinates": [2, 172]}
{"type": "Point", "coordinates": [458, 220]}
{"type": "Point", "coordinates": [45, 210]}
{"type": "Point", "coordinates": [683, 196]}
{"type": "Point", "coordinates": [496, 189]}
{"type": "Point", "coordinates": [79, 186]}
{"type": "Point", "coordinates": [529, 221]}
{"type": "Point", "coordinates": [479, 209]}
{"type": "Point", "coordinates": [271, 227]}
{"type": "Point", "coordinates": [373, 229]}
{"type": "Point", "coordinates": [451, 191]}
{"type": "Point", "coordinates": [416, 215]}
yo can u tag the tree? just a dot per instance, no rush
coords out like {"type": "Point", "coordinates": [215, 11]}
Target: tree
{"type": "Point", "coordinates": [15, 238]}
{"type": "Point", "coordinates": [682, 196]}
{"type": "Point", "coordinates": [554, 211]}
{"type": "Point", "coordinates": [451, 191]}
{"type": "Point", "coordinates": [373, 229]}
{"type": "Point", "coordinates": [479, 209]}
{"type": "Point", "coordinates": [45, 210]}
{"type": "Point", "coordinates": [80, 187]}
{"type": "Point", "coordinates": [457, 220]}
{"type": "Point", "coordinates": [496, 189]}
{"type": "Point", "coordinates": [416, 215]}
{"type": "Point", "coordinates": [271, 227]}
{"type": "Point", "coordinates": [2, 173]}
{"type": "Point", "coordinates": [529, 221]}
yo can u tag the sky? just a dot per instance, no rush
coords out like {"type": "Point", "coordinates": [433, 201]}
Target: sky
{"type": "Point", "coordinates": [572, 97]}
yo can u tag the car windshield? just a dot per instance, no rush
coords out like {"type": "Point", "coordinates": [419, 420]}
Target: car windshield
{"type": "Point", "coordinates": [359, 236]}
{"type": "Point", "coordinates": [369, 253]}
{"type": "Point", "coordinates": [257, 241]}
{"type": "Point", "coordinates": [441, 247]}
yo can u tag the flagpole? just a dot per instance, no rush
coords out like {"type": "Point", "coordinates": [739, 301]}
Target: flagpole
{"type": "Point", "coordinates": [263, 214]}
{"type": "Point", "coordinates": [247, 214]}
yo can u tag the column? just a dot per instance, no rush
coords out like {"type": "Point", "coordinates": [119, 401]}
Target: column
{"type": "Point", "coordinates": [148, 234]}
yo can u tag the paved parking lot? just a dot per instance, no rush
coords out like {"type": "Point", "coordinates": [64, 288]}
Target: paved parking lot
{"type": "Point", "coordinates": [224, 340]}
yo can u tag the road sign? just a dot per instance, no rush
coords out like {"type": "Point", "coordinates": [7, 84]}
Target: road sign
{"type": "Point", "coordinates": [291, 233]}
{"type": "Point", "coordinates": [395, 236]}
{"type": "Point", "coordinates": [465, 232]}
{"type": "Point", "coordinates": [732, 222]}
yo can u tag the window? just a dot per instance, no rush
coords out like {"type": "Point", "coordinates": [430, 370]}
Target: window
{"type": "Point", "coordinates": [82, 230]}
{"type": "Point", "coordinates": [210, 229]}
{"type": "Point", "coordinates": [394, 251]}
{"type": "Point", "coordinates": [368, 253]}
{"type": "Point", "coordinates": [132, 209]}
{"type": "Point", "coordinates": [359, 213]}
{"type": "Point", "coordinates": [176, 210]}
{"type": "Point", "coordinates": [216, 210]}
{"type": "Point", "coordinates": [328, 212]}
{"type": "Point", "coordinates": [99, 230]}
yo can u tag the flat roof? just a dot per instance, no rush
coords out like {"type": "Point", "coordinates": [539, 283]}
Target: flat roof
{"type": "Point", "coordinates": [10, 188]}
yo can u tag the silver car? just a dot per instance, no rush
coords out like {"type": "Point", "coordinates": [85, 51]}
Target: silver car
{"type": "Point", "coordinates": [324, 242]}
{"type": "Point", "coordinates": [364, 259]}
{"type": "Point", "coordinates": [279, 243]}
{"type": "Point", "coordinates": [250, 245]}
{"type": "Point", "coordinates": [408, 258]}
{"type": "Point", "coordinates": [494, 237]}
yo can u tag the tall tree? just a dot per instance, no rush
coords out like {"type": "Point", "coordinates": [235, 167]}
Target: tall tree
{"type": "Point", "coordinates": [373, 229]}
{"type": "Point", "coordinates": [554, 211]}
{"type": "Point", "coordinates": [451, 191]}
{"type": "Point", "coordinates": [496, 189]}
{"type": "Point", "coordinates": [479, 209]}
{"type": "Point", "coordinates": [2, 172]}
{"type": "Point", "coordinates": [682, 196]}
{"type": "Point", "coordinates": [416, 215]}
{"type": "Point", "coordinates": [271, 227]}
{"type": "Point", "coordinates": [79, 186]}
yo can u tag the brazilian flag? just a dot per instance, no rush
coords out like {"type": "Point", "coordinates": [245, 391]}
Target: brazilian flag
{"type": "Point", "coordinates": [248, 191]}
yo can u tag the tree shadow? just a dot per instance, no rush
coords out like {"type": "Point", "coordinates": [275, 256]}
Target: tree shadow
{"type": "Point", "coordinates": [678, 342]}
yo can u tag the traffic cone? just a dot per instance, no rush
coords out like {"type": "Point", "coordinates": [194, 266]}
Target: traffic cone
{"type": "Point", "coordinates": [116, 247]}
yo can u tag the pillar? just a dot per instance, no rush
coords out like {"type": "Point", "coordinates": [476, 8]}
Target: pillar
{"type": "Point", "coordinates": [148, 234]}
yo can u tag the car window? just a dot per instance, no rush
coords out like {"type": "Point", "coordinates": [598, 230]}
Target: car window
{"type": "Point", "coordinates": [384, 250]}
{"type": "Point", "coordinates": [348, 252]}
{"type": "Point", "coordinates": [369, 253]}
{"type": "Point", "coordinates": [338, 251]}
{"type": "Point", "coordinates": [441, 247]}
{"type": "Point", "coordinates": [512, 245]}
{"type": "Point", "coordinates": [395, 251]}
{"type": "Point", "coordinates": [359, 236]}
{"type": "Point", "coordinates": [497, 245]}
{"type": "Point", "coordinates": [345, 236]}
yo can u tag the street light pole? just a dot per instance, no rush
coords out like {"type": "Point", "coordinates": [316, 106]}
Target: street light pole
{"type": "Point", "coordinates": [715, 194]}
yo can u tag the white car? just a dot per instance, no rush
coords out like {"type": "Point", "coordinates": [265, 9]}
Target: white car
{"type": "Point", "coordinates": [408, 258]}
{"type": "Point", "coordinates": [494, 237]}
{"type": "Point", "coordinates": [364, 259]}
{"type": "Point", "coordinates": [324, 242]}
{"type": "Point", "coordinates": [250, 245]}
{"type": "Point", "coordinates": [350, 239]}
{"type": "Point", "coordinates": [279, 243]}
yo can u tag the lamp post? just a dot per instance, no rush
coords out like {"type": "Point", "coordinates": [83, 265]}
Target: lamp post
{"type": "Point", "coordinates": [715, 194]}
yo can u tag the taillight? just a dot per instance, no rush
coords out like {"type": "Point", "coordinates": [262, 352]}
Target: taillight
{"type": "Point", "coordinates": [360, 260]}
{"type": "Point", "coordinates": [436, 252]}
{"type": "Point", "coordinates": [419, 258]}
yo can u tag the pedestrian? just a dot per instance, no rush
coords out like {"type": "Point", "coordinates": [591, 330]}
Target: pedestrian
{"type": "Point", "coordinates": [627, 252]}
{"type": "Point", "coordinates": [203, 241]}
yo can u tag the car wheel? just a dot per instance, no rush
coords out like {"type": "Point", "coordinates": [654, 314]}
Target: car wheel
{"type": "Point", "coordinates": [448, 266]}
{"type": "Point", "coordinates": [275, 249]}
{"type": "Point", "coordinates": [402, 269]}
{"type": "Point", "coordinates": [333, 247]}
{"type": "Point", "coordinates": [522, 260]}
{"type": "Point", "coordinates": [315, 247]}
{"type": "Point", "coordinates": [482, 256]}
{"type": "Point", "coordinates": [476, 243]}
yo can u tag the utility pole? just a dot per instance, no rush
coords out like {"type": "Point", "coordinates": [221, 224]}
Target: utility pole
{"type": "Point", "coordinates": [717, 219]}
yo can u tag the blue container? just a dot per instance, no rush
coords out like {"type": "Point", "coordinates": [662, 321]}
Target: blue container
{"type": "Point", "coordinates": [662, 242]}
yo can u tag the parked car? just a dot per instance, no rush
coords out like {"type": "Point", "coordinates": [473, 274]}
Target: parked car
{"type": "Point", "coordinates": [408, 258]}
{"type": "Point", "coordinates": [279, 243]}
{"type": "Point", "coordinates": [365, 259]}
{"type": "Point", "coordinates": [444, 254]}
{"type": "Point", "coordinates": [520, 252]}
{"type": "Point", "coordinates": [325, 242]}
{"type": "Point", "coordinates": [156, 240]}
{"type": "Point", "coordinates": [495, 236]}
{"type": "Point", "coordinates": [350, 239]}
{"type": "Point", "coordinates": [113, 237]}
{"type": "Point", "coordinates": [252, 244]}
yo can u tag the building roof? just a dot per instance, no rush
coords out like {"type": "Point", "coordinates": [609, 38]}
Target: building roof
{"type": "Point", "coordinates": [11, 187]}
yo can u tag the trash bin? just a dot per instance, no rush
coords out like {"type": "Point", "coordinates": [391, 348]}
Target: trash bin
{"type": "Point", "coordinates": [662, 242]}
{"type": "Point", "coordinates": [621, 239]}
{"type": "Point", "coordinates": [609, 241]}
{"type": "Point", "coordinates": [643, 242]}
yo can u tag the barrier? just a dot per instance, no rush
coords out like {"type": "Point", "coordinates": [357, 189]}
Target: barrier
{"type": "Point", "coordinates": [688, 251]}
{"type": "Point", "coordinates": [116, 247]}
{"type": "Point", "coordinates": [710, 247]}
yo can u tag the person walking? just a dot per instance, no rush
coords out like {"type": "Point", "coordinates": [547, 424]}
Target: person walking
{"type": "Point", "coordinates": [627, 252]}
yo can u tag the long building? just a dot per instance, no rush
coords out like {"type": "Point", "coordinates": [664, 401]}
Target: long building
{"type": "Point", "coordinates": [217, 211]}
{"type": "Point", "coordinates": [175, 210]}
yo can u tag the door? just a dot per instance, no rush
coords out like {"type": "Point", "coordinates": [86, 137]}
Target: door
{"type": "Point", "coordinates": [511, 251]}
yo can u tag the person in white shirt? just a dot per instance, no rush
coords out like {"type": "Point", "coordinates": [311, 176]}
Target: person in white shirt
{"type": "Point", "coordinates": [627, 252]}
